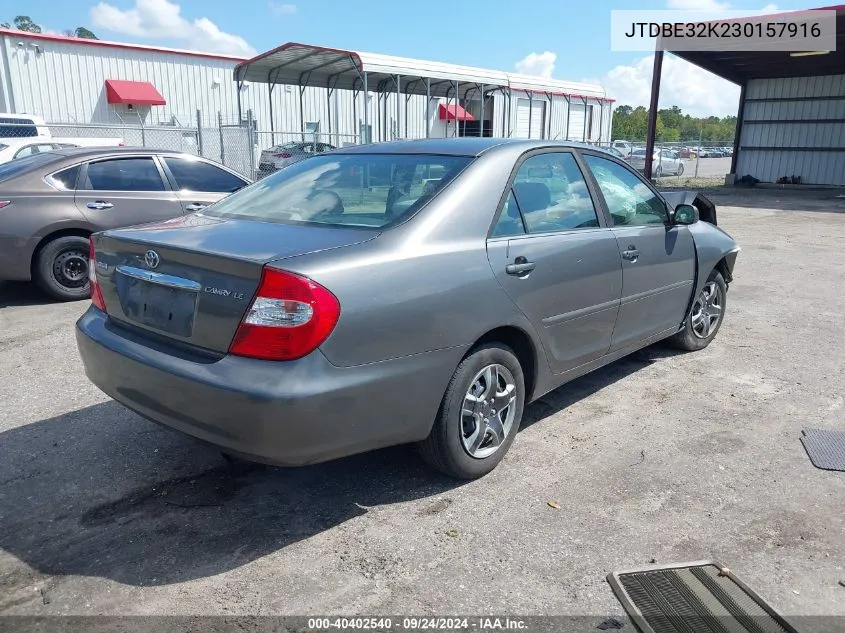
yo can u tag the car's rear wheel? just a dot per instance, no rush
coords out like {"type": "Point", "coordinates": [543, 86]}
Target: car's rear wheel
{"type": "Point", "coordinates": [479, 416]}
{"type": "Point", "coordinates": [61, 268]}
{"type": "Point", "coordinates": [681, 169]}
{"type": "Point", "coordinates": [658, 173]}
{"type": "Point", "coordinates": [705, 317]}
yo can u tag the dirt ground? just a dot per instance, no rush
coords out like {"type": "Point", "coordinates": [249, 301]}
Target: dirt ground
{"type": "Point", "coordinates": [659, 457]}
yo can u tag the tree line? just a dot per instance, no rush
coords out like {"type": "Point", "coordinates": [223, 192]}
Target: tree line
{"type": "Point", "coordinates": [672, 125]}
{"type": "Point", "coordinates": [25, 23]}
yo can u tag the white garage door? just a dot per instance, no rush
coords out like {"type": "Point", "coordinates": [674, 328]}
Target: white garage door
{"type": "Point", "coordinates": [576, 121]}
{"type": "Point", "coordinates": [530, 118]}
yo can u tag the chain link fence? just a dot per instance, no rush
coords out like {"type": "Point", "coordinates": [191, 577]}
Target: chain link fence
{"type": "Point", "coordinates": [237, 144]}
{"type": "Point", "coordinates": [681, 164]}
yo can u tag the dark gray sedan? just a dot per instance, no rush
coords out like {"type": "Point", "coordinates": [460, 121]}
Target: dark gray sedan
{"type": "Point", "coordinates": [52, 201]}
{"type": "Point", "coordinates": [419, 291]}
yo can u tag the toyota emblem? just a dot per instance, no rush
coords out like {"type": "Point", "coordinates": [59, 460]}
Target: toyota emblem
{"type": "Point", "coordinates": [151, 259]}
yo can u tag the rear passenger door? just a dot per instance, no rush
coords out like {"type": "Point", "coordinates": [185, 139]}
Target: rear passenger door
{"type": "Point", "coordinates": [122, 191]}
{"type": "Point", "coordinates": [553, 254]}
{"type": "Point", "coordinates": [199, 183]}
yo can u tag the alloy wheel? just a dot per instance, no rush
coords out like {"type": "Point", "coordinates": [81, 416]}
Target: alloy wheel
{"type": "Point", "coordinates": [708, 310]}
{"type": "Point", "coordinates": [488, 411]}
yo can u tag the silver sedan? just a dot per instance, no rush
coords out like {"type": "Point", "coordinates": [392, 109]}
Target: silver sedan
{"type": "Point", "coordinates": [416, 291]}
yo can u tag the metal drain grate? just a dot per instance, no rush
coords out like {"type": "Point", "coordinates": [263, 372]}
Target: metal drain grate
{"type": "Point", "coordinates": [693, 598]}
{"type": "Point", "coordinates": [825, 448]}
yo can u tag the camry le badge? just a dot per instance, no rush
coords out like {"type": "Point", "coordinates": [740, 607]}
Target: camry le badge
{"type": "Point", "coordinates": [151, 259]}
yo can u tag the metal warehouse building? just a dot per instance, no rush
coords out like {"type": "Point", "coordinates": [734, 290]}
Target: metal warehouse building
{"type": "Point", "coordinates": [791, 119]}
{"type": "Point", "coordinates": [207, 103]}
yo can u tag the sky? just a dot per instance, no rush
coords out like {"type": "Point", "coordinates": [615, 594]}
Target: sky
{"type": "Point", "coordinates": [563, 39]}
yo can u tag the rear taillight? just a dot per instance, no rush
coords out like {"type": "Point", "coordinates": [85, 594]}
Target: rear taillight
{"type": "Point", "coordinates": [96, 293]}
{"type": "Point", "coordinates": [289, 318]}
{"type": "Point", "coordinates": [5, 203]}
{"type": "Point", "coordinates": [282, 155]}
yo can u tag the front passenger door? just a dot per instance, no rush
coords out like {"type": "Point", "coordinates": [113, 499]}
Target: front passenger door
{"type": "Point", "coordinates": [658, 260]}
{"type": "Point", "coordinates": [556, 259]}
{"type": "Point", "coordinates": [117, 192]}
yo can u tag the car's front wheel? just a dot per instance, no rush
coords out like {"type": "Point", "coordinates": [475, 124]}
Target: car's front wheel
{"type": "Point", "coordinates": [681, 169]}
{"type": "Point", "coordinates": [479, 416]}
{"type": "Point", "coordinates": [706, 316]}
{"type": "Point", "coordinates": [61, 268]}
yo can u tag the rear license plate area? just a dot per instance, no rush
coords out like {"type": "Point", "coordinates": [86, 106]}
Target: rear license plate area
{"type": "Point", "coordinates": [158, 306]}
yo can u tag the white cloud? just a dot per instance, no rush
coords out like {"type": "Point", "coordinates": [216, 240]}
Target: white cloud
{"type": "Point", "coordinates": [281, 8]}
{"type": "Point", "coordinates": [162, 20]}
{"type": "Point", "coordinates": [538, 64]}
{"type": "Point", "coordinates": [695, 91]}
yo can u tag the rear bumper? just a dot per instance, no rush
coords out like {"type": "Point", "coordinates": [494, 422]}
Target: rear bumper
{"type": "Point", "coordinates": [290, 413]}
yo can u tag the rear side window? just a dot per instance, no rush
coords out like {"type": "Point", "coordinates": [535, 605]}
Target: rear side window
{"type": "Point", "coordinates": [124, 174]}
{"type": "Point", "coordinates": [17, 128]}
{"type": "Point", "coordinates": [196, 175]}
{"type": "Point", "coordinates": [67, 177]}
{"type": "Point", "coordinates": [363, 190]}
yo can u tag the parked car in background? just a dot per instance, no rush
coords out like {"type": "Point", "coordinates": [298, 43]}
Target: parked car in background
{"type": "Point", "coordinates": [665, 162]}
{"type": "Point", "coordinates": [11, 149]}
{"type": "Point", "coordinates": [27, 127]}
{"type": "Point", "coordinates": [623, 147]}
{"type": "Point", "coordinates": [280, 156]}
{"type": "Point", "coordinates": [50, 202]}
{"type": "Point", "coordinates": [618, 153]}
{"type": "Point", "coordinates": [314, 315]}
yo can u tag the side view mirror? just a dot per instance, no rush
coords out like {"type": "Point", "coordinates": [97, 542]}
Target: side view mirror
{"type": "Point", "coordinates": [684, 214]}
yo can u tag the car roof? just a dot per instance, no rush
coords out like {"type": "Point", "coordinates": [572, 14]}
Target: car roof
{"type": "Point", "coordinates": [87, 152]}
{"type": "Point", "coordinates": [462, 146]}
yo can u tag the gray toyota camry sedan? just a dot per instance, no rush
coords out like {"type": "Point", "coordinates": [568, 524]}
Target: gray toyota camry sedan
{"type": "Point", "coordinates": [416, 291]}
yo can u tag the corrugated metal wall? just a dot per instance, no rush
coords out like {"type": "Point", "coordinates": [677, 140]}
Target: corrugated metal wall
{"type": "Point", "coordinates": [794, 127]}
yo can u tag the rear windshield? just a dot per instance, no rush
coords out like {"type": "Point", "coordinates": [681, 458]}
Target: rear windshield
{"type": "Point", "coordinates": [20, 165]}
{"type": "Point", "coordinates": [359, 190]}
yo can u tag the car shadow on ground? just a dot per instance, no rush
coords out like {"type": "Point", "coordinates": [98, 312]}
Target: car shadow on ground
{"type": "Point", "coordinates": [100, 492]}
{"type": "Point", "coordinates": [19, 293]}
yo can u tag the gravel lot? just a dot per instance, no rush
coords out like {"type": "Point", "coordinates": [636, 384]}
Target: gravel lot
{"type": "Point", "coordinates": [660, 456]}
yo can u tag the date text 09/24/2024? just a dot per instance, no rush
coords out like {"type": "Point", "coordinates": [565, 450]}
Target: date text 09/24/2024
{"type": "Point", "coordinates": [417, 623]}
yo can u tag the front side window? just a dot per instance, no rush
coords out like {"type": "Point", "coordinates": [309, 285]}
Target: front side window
{"type": "Point", "coordinates": [124, 174]}
{"type": "Point", "coordinates": [196, 175]}
{"type": "Point", "coordinates": [29, 150]}
{"type": "Point", "coordinates": [363, 190]}
{"type": "Point", "coordinates": [630, 201]}
{"type": "Point", "coordinates": [552, 194]}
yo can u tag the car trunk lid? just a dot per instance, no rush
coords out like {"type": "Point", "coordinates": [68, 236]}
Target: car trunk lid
{"type": "Point", "coordinates": [192, 279]}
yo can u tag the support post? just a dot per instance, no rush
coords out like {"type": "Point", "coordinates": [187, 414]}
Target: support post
{"type": "Point", "coordinates": [584, 130]}
{"type": "Point", "coordinates": [220, 132]}
{"type": "Point", "coordinates": [398, 105]}
{"type": "Point", "coordinates": [568, 116]}
{"type": "Point", "coordinates": [366, 112]}
{"type": "Point", "coordinates": [199, 132]}
{"type": "Point", "coordinates": [251, 143]}
{"type": "Point", "coordinates": [240, 86]}
{"type": "Point", "coordinates": [427, 113]}
{"type": "Point", "coordinates": [302, 111]}
{"type": "Point", "coordinates": [270, 87]}
{"type": "Point", "coordinates": [652, 112]}
{"type": "Point", "coordinates": [481, 127]}
{"type": "Point", "coordinates": [530, 111]}
{"type": "Point", "coordinates": [740, 115]}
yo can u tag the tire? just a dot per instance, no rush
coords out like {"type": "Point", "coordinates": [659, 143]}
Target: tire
{"type": "Point", "coordinates": [658, 173]}
{"type": "Point", "coordinates": [693, 337]}
{"type": "Point", "coordinates": [681, 169]}
{"type": "Point", "coordinates": [61, 268]}
{"type": "Point", "coordinates": [455, 434]}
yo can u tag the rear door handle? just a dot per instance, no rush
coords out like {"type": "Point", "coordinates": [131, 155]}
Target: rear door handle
{"type": "Point", "coordinates": [99, 205]}
{"type": "Point", "coordinates": [631, 255]}
{"type": "Point", "coordinates": [195, 206]}
{"type": "Point", "coordinates": [520, 268]}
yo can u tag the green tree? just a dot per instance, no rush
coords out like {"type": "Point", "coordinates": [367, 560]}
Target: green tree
{"type": "Point", "coordinates": [84, 33]}
{"type": "Point", "coordinates": [23, 23]}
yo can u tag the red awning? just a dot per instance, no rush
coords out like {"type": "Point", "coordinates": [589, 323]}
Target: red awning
{"type": "Point", "coordinates": [134, 92]}
{"type": "Point", "coordinates": [454, 112]}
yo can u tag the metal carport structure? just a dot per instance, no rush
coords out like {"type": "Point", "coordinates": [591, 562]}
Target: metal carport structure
{"type": "Point", "coordinates": [777, 78]}
{"type": "Point", "coordinates": [332, 69]}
